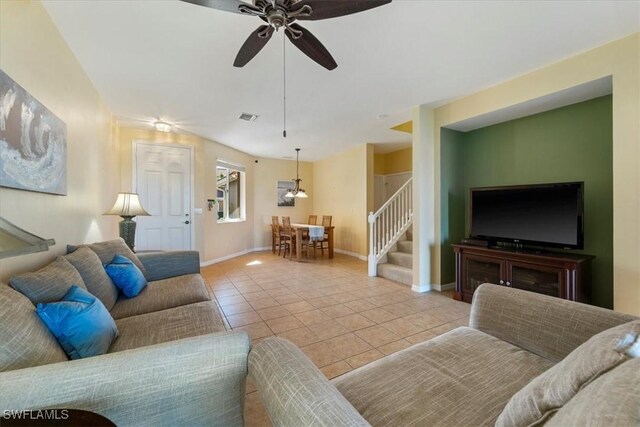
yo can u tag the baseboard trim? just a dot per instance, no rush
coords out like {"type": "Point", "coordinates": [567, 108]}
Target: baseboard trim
{"type": "Point", "coordinates": [234, 255]}
{"type": "Point", "coordinates": [421, 289]}
{"type": "Point", "coordinates": [433, 287]}
{"type": "Point", "coordinates": [353, 254]}
{"type": "Point", "coordinates": [445, 287]}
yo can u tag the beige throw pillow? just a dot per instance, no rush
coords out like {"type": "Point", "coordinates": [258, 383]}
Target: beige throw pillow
{"type": "Point", "coordinates": [611, 400]}
{"type": "Point", "coordinates": [94, 276]}
{"type": "Point", "coordinates": [49, 284]}
{"type": "Point", "coordinates": [110, 248]}
{"type": "Point", "coordinates": [551, 390]}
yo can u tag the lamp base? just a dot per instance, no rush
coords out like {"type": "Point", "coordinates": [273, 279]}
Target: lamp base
{"type": "Point", "coordinates": [128, 231]}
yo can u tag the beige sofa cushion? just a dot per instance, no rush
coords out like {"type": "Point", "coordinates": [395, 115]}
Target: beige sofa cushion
{"type": "Point", "coordinates": [462, 378]}
{"type": "Point", "coordinates": [613, 399]}
{"type": "Point", "coordinates": [162, 294]}
{"type": "Point", "coordinates": [48, 284]}
{"type": "Point", "coordinates": [108, 249]}
{"type": "Point", "coordinates": [544, 395]}
{"type": "Point", "coordinates": [168, 325]}
{"type": "Point", "coordinates": [94, 276]}
{"type": "Point", "coordinates": [24, 339]}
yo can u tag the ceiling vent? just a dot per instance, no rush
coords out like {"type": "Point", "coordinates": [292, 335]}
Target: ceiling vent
{"type": "Point", "coordinates": [248, 117]}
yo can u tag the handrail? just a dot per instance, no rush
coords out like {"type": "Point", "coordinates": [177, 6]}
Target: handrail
{"type": "Point", "coordinates": [389, 223]}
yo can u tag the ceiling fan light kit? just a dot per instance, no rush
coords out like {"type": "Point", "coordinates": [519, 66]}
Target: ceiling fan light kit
{"type": "Point", "coordinates": [282, 14]}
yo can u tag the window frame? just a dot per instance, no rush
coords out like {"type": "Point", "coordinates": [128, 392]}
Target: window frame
{"type": "Point", "coordinates": [223, 201]}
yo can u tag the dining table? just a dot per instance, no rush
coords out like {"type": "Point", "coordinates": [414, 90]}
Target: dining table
{"type": "Point", "coordinates": [316, 232]}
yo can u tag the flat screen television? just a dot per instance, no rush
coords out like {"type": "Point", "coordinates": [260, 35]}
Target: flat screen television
{"type": "Point", "coordinates": [548, 215]}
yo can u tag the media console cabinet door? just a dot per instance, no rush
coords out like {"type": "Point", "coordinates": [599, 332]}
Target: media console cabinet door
{"type": "Point", "coordinates": [537, 278]}
{"type": "Point", "coordinates": [477, 270]}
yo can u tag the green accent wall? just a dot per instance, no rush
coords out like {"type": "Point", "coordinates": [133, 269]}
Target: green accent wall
{"type": "Point", "coordinates": [453, 199]}
{"type": "Point", "coordinates": [572, 143]}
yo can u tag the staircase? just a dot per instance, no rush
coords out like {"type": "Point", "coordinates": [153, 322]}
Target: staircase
{"type": "Point", "coordinates": [399, 263]}
{"type": "Point", "coordinates": [390, 237]}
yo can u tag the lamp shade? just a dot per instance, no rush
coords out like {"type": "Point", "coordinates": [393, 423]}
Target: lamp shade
{"type": "Point", "coordinates": [289, 194]}
{"type": "Point", "coordinates": [301, 194]}
{"type": "Point", "coordinates": [127, 204]}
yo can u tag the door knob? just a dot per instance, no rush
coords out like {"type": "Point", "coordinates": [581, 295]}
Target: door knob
{"type": "Point", "coordinates": [508, 283]}
{"type": "Point", "coordinates": [501, 282]}
{"type": "Point", "coordinates": [186, 222]}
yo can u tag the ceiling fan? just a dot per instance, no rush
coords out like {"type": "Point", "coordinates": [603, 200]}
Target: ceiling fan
{"type": "Point", "coordinates": [283, 13]}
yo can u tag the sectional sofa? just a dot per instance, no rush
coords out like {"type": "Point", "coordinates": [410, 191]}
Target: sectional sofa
{"type": "Point", "coordinates": [172, 363]}
{"type": "Point", "coordinates": [525, 359]}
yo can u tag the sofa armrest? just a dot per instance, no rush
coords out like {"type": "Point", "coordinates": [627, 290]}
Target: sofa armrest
{"type": "Point", "coordinates": [295, 392]}
{"type": "Point", "coordinates": [162, 265]}
{"type": "Point", "coordinates": [547, 326]}
{"type": "Point", "coordinates": [194, 381]}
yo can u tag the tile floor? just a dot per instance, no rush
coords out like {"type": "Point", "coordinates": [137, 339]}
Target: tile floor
{"type": "Point", "coordinates": [341, 318]}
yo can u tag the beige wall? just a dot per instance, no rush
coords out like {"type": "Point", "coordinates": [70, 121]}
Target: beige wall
{"type": "Point", "coordinates": [34, 54]}
{"type": "Point", "coordinates": [394, 162]}
{"type": "Point", "coordinates": [212, 240]}
{"type": "Point", "coordinates": [379, 163]}
{"type": "Point", "coordinates": [340, 189]}
{"type": "Point", "coordinates": [398, 161]}
{"type": "Point", "coordinates": [267, 173]}
{"type": "Point", "coordinates": [621, 60]}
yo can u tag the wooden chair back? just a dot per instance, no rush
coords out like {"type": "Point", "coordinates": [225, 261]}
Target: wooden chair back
{"type": "Point", "coordinates": [313, 220]}
{"type": "Point", "coordinates": [274, 221]}
{"type": "Point", "coordinates": [326, 220]}
{"type": "Point", "coordinates": [286, 225]}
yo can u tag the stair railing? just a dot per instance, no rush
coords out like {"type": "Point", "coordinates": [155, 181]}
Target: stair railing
{"type": "Point", "coordinates": [388, 224]}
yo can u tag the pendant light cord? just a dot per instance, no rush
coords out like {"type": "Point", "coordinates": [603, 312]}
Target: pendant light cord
{"type": "Point", "coordinates": [284, 84]}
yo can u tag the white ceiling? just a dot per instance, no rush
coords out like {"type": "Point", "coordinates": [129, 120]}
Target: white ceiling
{"type": "Point", "coordinates": [171, 60]}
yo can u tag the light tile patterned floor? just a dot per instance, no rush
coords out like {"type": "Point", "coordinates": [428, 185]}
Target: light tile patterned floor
{"type": "Point", "coordinates": [341, 318]}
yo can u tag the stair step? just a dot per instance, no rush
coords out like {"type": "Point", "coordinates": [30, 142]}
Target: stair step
{"type": "Point", "coordinates": [396, 273]}
{"type": "Point", "coordinates": [400, 258]}
{"type": "Point", "coordinates": [409, 233]}
{"type": "Point", "coordinates": [405, 246]}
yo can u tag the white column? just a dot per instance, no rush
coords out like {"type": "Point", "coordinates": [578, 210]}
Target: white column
{"type": "Point", "coordinates": [423, 197]}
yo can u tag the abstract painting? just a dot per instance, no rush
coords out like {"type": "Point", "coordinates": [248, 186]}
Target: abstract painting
{"type": "Point", "coordinates": [33, 142]}
{"type": "Point", "coordinates": [283, 188]}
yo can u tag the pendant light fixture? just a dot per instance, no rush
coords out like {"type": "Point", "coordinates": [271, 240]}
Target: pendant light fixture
{"type": "Point", "coordinates": [297, 191]}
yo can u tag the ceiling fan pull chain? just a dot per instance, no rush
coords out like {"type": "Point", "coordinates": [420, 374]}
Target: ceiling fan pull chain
{"type": "Point", "coordinates": [284, 85]}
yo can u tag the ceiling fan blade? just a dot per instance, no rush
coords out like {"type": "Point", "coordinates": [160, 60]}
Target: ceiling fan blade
{"type": "Point", "coordinates": [225, 5]}
{"type": "Point", "coordinates": [325, 9]}
{"type": "Point", "coordinates": [311, 47]}
{"type": "Point", "coordinates": [253, 45]}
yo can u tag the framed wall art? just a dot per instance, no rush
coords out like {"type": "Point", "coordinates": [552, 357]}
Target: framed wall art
{"type": "Point", "coordinates": [33, 142]}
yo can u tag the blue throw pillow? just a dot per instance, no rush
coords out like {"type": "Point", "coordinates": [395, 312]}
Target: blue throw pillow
{"type": "Point", "coordinates": [126, 276]}
{"type": "Point", "coordinates": [80, 322]}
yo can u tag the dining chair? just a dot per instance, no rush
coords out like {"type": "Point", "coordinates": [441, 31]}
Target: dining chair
{"type": "Point", "coordinates": [276, 233]}
{"type": "Point", "coordinates": [313, 220]}
{"type": "Point", "coordinates": [326, 223]}
{"type": "Point", "coordinates": [286, 236]}
{"type": "Point", "coordinates": [289, 239]}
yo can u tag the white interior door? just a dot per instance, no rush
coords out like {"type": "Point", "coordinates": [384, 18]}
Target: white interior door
{"type": "Point", "coordinates": [163, 181]}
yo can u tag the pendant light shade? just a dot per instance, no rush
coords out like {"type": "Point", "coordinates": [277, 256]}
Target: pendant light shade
{"type": "Point", "coordinates": [297, 191]}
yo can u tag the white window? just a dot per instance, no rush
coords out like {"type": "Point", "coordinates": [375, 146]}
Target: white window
{"type": "Point", "coordinates": [230, 189]}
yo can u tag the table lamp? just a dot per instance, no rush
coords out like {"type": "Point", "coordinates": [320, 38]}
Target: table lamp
{"type": "Point", "coordinates": [127, 206]}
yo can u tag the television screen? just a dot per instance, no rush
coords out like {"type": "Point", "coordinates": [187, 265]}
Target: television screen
{"type": "Point", "coordinates": [543, 214]}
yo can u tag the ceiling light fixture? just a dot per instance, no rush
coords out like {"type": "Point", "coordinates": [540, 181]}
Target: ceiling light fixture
{"type": "Point", "coordinates": [162, 126]}
{"type": "Point", "coordinates": [297, 191]}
